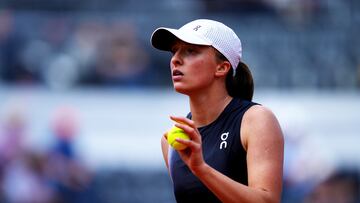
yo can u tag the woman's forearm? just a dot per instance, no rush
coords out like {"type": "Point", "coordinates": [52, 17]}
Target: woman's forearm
{"type": "Point", "coordinates": [230, 191]}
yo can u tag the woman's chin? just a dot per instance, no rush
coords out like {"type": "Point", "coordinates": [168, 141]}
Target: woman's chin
{"type": "Point", "coordinates": [181, 89]}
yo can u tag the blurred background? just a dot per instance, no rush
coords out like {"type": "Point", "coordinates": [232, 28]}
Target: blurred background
{"type": "Point", "coordinates": [85, 99]}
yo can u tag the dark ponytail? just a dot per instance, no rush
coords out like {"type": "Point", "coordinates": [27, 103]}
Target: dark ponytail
{"type": "Point", "coordinates": [241, 85]}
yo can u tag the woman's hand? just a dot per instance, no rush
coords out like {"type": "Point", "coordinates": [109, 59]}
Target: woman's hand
{"type": "Point", "coordinates": [192, 155]}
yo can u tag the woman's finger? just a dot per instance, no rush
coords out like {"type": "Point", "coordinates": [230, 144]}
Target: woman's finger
{"type": "Point", "coordinates": [184, 120]}
{"type": "Point", "coordinates": [189, 143]}
{"type": "Point", "coordinates": [190, 131]}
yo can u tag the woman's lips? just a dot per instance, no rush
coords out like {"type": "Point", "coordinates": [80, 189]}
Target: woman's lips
{"type": "Point", "coordinates": [177, 75]}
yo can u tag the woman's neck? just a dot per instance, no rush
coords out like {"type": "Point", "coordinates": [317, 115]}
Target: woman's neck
{"type": "Point", "coordinates": [206, 108]}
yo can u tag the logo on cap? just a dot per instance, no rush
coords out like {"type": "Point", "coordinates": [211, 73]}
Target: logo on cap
{"type": "Point", "coordinates": [197, 28]}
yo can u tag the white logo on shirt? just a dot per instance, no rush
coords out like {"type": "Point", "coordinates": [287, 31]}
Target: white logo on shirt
{"type": "Point", "coordinates": [223, 137]}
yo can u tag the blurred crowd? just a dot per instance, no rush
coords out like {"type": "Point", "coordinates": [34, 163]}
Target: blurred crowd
{"type": "Point", "coordinates": [61, 53]}
{"type": "Point", "coordinates": [54, 172]}
{"type": "Point", "coordinates": [309, 175]}
{"type": "Point", "coordinates": [32, 174]}
{"type": "Point", "coordinates": [102, 43]}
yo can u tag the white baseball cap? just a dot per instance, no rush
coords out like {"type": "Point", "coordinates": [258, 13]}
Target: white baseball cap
{"type": "Point", "coordinates": [202, 32]}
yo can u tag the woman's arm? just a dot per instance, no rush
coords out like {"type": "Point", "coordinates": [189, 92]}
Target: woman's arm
{"type": "Point", "coordinates": [165, 149]}
{"type": "Point", "coordinates": [263, 140]}
{"type": "Point", "coordinates": [264, 143]}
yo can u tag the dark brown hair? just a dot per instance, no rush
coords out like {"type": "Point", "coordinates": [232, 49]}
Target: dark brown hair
{"type": "Point", "coordinates": [242, 84]}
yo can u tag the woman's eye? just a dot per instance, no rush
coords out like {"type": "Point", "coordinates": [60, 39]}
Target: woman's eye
{"type": "Point", "coordinates": [173, 51]}
{"type": "Point", "coordinates": [190, 50]}
{"type": "Point", "coordinates": [187, 50]}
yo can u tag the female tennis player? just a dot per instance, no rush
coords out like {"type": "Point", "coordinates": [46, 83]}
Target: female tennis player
{"type": "Point", "coordinates": [235, 153]}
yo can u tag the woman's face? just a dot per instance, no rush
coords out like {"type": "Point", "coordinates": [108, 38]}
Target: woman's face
{"type": "Point", "coordinates": [193, 67]}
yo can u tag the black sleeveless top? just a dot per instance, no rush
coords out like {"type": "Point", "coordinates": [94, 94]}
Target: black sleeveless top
{"type": "Point", "coordinates": [222, 150]}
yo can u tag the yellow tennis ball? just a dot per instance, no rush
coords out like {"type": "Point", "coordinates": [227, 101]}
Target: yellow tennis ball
{"type": "Point", "coordinates": [174, 133]}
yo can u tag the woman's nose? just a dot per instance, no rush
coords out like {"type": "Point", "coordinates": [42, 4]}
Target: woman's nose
{"type": "Point", "coordinates": [176, 59]}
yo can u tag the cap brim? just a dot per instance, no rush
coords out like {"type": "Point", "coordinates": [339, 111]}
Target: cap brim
{"type": "Point", "coordinates": [163, 38]}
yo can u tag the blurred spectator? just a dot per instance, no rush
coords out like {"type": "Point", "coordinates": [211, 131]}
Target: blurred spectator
{"type": "Point", "coordinates": [122, 60]}
{"type": "Point", "coordinates": [70, 179]}
{"type": "Point", "coordinates": [304, 165]}
{"type": "Point", "coordinates": [343, 186]}
{"type": "Point", "coordinates": [59, 70]}
{"type": "Point", "coordinates": [83, 46]}
{"type": "Point", "coordinates": [12, 135]}
{"type": "Point", "coordinates": [25, 180]}
{"type": "Point", "coordinates": [11, 141]}
{"type": "Point", "coordinates": [11, 69]}
{"type": "Point", "coordinates": [22, 175]}
{"type": "Point", "coordinates": [34, 61]}
{"type": "Point", "coordinates": [295, 12]}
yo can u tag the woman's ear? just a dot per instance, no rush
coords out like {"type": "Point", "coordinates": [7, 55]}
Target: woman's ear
{"type": "Point", "coordinates": [222, 68]}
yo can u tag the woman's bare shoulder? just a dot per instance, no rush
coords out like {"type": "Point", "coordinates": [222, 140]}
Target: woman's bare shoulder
{"type": "Point", "coordinates": [259, 121]}
{"type": "Point", "coordinates": [259, 114]}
